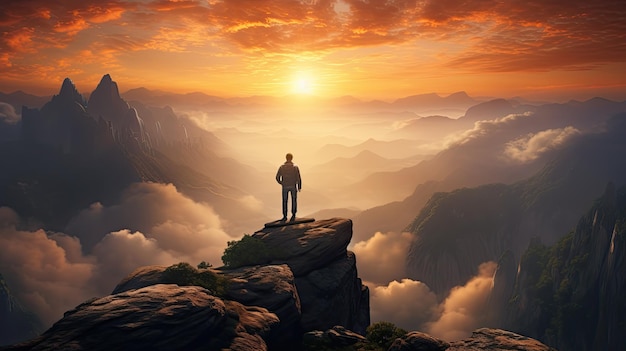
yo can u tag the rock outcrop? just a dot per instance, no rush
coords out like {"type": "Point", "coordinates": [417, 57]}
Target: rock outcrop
{"type": "Point", "coordinates": [263, 306]}
{"type": "Point", "coordinates": [105, 102]}
{"type": "Point", "coordinates": [64, 124]}
{"type": "Point", "coordinates": [158, 317]}
{"type": "Point", "coordinates": [418, 341]}
{"type": "Point", "coordinates": [325, 273]}
{"type": "Point", "coordinates": [572, 295]}
{"type": "Point", "coordinates": [487, 339]}
{"type": "Point", "coordinates": [457, 231]}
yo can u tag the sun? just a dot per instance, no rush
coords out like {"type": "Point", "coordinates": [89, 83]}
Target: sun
{"type": "Point", "coordinates": [303, 84]}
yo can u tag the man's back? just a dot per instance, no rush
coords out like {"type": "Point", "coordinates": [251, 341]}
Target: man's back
{"type": "Point", "coordinates": [288, 175]}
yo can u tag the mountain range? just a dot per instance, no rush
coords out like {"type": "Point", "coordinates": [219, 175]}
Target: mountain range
{"type": "Point", "coordinates": [511, 177]}
{"type": "Point", "coordinates": [71, 144]}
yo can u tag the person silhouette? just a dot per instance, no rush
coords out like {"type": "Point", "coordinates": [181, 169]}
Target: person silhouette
{"type": "Point", "coordinates": [288, 176]}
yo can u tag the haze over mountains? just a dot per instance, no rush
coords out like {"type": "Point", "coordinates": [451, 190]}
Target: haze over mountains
{"type": "Point", "coordinates": [439, 188]}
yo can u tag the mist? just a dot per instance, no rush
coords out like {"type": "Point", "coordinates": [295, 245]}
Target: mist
{"type": "Point", "coordinates": [154, 224]}
{"type": "Point", "coordinates": [411, 304]}
{"type": "Point", "coordinates": [373, 161]}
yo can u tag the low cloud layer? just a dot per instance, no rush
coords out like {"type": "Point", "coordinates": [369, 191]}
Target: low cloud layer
{"type": "Point", "coordinates": [381, 258]}
{"type": "Point", "coordinates": [408, 304]}
{"type": "Point", "coordinates": [8, 114]}
{"type": "Point", "coordinates": [153, 225]}
{"type": "Point", "coordinates": [464, 310]}
{"type": "Point", "coordinates": [412, 305]}
{"type": "Point", "coordinates": [533, 145]}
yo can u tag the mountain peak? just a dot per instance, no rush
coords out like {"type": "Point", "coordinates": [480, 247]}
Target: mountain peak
{"type": "Point", "coordinates": [106, 101]}
{"type": "Point", "coordinates": [109, 87]}
{"type": "Point", "coordinates": [68, 91]}
{"type": "Point", "coordinates": [106, 79]}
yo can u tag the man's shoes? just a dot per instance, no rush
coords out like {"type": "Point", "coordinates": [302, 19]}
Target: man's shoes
{"type": "Point", "coordinates": [283, 219]}
{"type": "Point", "coordinates": [293, 218]}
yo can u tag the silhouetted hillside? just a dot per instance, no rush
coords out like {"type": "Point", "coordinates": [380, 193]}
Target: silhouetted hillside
{"type": "Point", "coordinates": [17, 323]}
{"type": "Point", "coordinates": [572, 295]}
{"type": "Point", "coordinates": [505, 150]}
{"type": "Point", "coordinates": [457, 231]}
{"type": "Point", "coordinates": [66, 158]}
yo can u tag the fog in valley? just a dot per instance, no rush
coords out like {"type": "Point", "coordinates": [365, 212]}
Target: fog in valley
{"type": "Point", "coordinates": [415, 175]}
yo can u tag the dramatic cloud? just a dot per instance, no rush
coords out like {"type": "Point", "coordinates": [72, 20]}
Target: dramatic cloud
{"type": "Point", "coordinates": [8, 114]}
{"type": "Point", "coordinates": [531, 146]}
{"type": "Point", "coordinates": [159, 211]}
{"type": "Point", "coordinates": [408, 304]}
{"type": "Point", "coordinates": [381, 258]}
{"type": "Point", "coordinates": [48, 277]}
{"type": "Point", "coordinates": [257, 36]}
{"type": "Point", "coordinates": [412, 305]}
{"type": "Point", "coordinates": [464, 310]}
{"type": "Point", "coordinates": [153, 225]}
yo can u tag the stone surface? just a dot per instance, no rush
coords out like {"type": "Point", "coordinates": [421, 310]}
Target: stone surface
{"type": "Point", "coordinates": [334, 295]}
{"type": "Point", "coordinates": [336, 337]}
{"type": "Point", "coordinates": [309, 246]}
{"type": "Point", "coordinates": [158, 317]}
{"type": "Point", "coordinates": [140, 278]}
{"type": "Point", "coordinates": [264, 306]}
{"type": "Point", "coordinates": [418, 341]}
{"type": "Point", "coordinates": [497, 340]}
{"type": "Point", "coordinates": [271, 287]}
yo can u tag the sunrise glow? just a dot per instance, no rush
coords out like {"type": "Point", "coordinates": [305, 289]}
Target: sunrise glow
{"type": "Point", "coordinates": [303, 84]}
{"type": "Point", "coordinates": [377, 49]}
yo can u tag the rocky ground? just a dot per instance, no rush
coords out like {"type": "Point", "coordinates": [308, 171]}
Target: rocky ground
{"type": "Point", "coordinates": [308, 293]}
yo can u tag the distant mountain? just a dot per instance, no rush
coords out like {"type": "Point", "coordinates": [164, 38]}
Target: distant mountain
{"type": "Point", "coordinates": [456, 102]}
{"type": "Point", "coordinates": [160, 98]}
{"type": "Point", "coordinates": [457, 231]}
{"type": "Point", "coordinates": [432, 128]}
{"type": "Point", "coordinates": [422, 102]}
{"type": "Point", "coordinates": [493, 151]}
{"type": "Point", "coordinates": [493, 109]}
{"type": "Point", "coordinates": [17, 323]}
{"type": "Point", "coordinates": [572, 295]}
{"type": "Point", "coordinates": [19, 98]}
{"type": "Point", "coordinates": [342, 171]}
{"type": "Point", "coordinates": [387, 149]}
{"type": "Point", "coordinates": [68, 159]}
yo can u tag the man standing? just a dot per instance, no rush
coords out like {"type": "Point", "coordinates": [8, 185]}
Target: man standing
{"type": "Point", "coordinates": [288, 176]}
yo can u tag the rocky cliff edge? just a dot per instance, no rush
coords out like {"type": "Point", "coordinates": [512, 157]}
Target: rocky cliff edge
{"type": "Point", "coordinates": [310, 285]}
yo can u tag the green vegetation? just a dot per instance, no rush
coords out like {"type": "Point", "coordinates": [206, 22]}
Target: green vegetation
{"type": "Point", "coordinates": [204, 265]}
{"type": "Point", "coordinates": [379, 337]}
{"type": "Point", "coordinates": [382, 334]}
{"type": "Point", "coordinates": [184, 274]}
{"type": "Point", "coordinates": [246, 252]}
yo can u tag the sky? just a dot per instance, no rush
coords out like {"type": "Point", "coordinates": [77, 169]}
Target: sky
{"type": "Point", "coordinates": [386, 49]}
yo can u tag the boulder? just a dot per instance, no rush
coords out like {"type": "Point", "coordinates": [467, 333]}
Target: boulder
{"type": "Point", "coordinates": [311, 284]}
{"type": "Point", "coordinates": [158, 317]}
{"type": "Point", "coordinates": [335, 338]}
{"type": "Point", "coordinates": [140, 278]}
{"type": "Point", "coordinates": [308, 246]}
{"type": "Point", "coordinates": [271, 287]}
{"type": "Point", "coordinates": [418, 341]}
{"type": "Point", "coordinates": [325, 272]}
{"type": "Point", "coordinates": [497, 340]}
{"type": "Point", "coordinates": [334, 295]}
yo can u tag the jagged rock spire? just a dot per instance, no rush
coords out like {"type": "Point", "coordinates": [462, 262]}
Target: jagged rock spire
{"type": "Point", "coordinates": [69, 92]}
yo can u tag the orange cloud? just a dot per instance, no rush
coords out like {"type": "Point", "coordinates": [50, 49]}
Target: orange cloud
{"type": "Point", "coordinates": [485, 36]}
{"type": "Point", "coordinates": [464, 310]}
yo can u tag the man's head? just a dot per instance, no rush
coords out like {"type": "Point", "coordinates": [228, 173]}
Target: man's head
{"type": "Point", "coordinates": [289, 157]}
